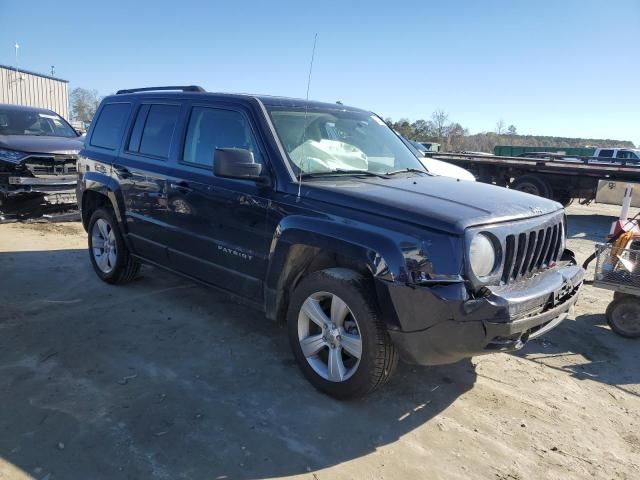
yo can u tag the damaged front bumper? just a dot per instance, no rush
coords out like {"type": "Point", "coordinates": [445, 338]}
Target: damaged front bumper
{"type": "Point", "coordinates": [38, 181]}
{"type": "Point", "coordinates": [443, 325]}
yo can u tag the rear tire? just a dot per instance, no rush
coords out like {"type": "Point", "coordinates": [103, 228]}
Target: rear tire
{"type": "Point", "coordinates": [109, 254]}
{"type": "Point", "coordinates": [533, 185]}
{"type": "Point", "coordinates": [623, 315]}
{"type": "Point", "coordinates": [334, 315]}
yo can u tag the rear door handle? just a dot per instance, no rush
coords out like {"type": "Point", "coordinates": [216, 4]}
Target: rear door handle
{"type": "Point", "coordinates": [182, 187]}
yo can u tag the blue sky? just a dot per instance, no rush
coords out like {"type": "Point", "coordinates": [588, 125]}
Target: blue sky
{"type": "Point", "coordinates": [562, 67]}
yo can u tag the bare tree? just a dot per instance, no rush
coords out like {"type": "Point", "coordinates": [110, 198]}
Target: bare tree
{"type": "Point", "coordinates": [84, 104]}
{"type": "Point", "coordinates": [440, 121]}
{"type": "Point", "coordinates": [453, 136]}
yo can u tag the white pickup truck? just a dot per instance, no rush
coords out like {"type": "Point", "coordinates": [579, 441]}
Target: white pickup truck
{"type": "Point", "coordinates": [629, 154]}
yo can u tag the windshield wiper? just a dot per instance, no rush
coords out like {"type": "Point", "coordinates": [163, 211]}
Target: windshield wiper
{"type": "Point", "coordinates": [407, 170]}
{"type": "Point", "coordinates": [343, 172]}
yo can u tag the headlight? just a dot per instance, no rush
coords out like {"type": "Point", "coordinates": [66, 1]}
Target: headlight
{"type": "Point", "coordinates": [482, 255]}
{"type": "Point", "coordinates": [11, 155]}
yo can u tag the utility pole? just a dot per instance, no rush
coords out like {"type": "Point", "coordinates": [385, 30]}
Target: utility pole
{"type": "Point", "coordinates": [53, 70]}
{"type": "Point", "coordinates": [16, 46]}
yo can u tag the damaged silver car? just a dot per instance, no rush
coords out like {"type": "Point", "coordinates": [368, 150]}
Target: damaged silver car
{"type": "Point", "coordinates": [38, 154]}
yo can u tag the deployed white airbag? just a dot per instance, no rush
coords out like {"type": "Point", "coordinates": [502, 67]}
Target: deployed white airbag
{"type": "Point", "coordinates": [327, 155]}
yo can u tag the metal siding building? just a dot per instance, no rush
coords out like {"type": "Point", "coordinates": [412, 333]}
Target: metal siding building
{"type": "Point", "coordinates": [22, 87]}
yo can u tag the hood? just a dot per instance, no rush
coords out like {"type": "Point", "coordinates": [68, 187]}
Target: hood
{"type": "Point", "coordinates": [440, 203]}
{"type": "Point", "coordinates": [35, 144]}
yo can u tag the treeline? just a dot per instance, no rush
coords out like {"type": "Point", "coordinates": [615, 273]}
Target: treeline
{"type": "Point", "coordinates": [453, 137]}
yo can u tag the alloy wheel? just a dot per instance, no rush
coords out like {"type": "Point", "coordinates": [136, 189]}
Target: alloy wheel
{"type": "Point", "coordinates": [104, 246]}
{"type": "Point", "coordinates": [329, 336]}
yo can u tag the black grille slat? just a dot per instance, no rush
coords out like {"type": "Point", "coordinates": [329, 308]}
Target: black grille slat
{"type": "Point", "coordinates": [552, 244]}
{"type": "Point", "coordinates": [531, 243]}
{"type": "Point", "coordinates": [536, 253]}
{"type": "Point", "coordinates": [547, 254]}
{"type": "Point", "coordinates": [517, 264]}
{"type": "Point", "coordinates": [508, 257]}
{"type": "Point", "coordinates": [545, 247]}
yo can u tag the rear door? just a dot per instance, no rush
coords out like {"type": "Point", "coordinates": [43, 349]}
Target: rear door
{"type": "Point", "coordinates": [143, 170]}
{"type": "Point", "coordinates": [218, 229]}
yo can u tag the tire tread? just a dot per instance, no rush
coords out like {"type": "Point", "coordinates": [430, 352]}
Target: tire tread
{"type": "Point", "coordinates": [130, 268]}
{"type": "Point", "coordinates": [618, 299]}
{"type": "Point", "coordinates": [385, 355]}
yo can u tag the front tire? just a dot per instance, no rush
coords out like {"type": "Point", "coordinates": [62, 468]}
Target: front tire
{"type": "Point", "coordinates": [337, 336]}
{"type": "Point", "coordinates": [109, 254]}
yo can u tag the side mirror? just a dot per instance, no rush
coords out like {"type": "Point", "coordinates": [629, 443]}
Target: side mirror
{"type": "Point", "coordinates": [236, 163]}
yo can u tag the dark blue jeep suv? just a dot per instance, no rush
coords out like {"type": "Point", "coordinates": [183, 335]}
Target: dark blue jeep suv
{"type": "Point", "coordinates": [319, 215]}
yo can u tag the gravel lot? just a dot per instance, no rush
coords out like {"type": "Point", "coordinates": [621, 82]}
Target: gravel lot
{"type": "Point", "coordinates": [165, 379]}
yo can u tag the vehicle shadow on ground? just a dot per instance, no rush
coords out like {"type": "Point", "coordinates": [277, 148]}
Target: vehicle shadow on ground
{"type": "Point", "coordinates": [589, 351]}
{"type": "Point", "coordinates": [589, 227]}
{"type": "Point", "coordinates": [162, 378]}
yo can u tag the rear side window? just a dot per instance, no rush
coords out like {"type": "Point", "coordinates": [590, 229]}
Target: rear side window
{"type": "Point", "coordinates": [211, 128]}
{"type": "Point", "coordinates": [606, 153]}
{"type": "Point", "coordinates": [106, 133]}
{"type": "Point", "coordinates": [153, 130]}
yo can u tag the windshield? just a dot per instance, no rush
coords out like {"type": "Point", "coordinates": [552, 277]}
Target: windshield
{"type": "Point", "coordinates": [29, 122]}
{"type": "Point", "coordinates": [340, 141]}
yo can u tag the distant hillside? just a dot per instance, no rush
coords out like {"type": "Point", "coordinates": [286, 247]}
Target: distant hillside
{"type": "Point", "coordinates": [484, 142]}
{"type": "Point", "coordinates": [454, 137]}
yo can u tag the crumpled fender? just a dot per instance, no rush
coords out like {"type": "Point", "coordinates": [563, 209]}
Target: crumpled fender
{"type": "Point", "coordinates": [379, 253]}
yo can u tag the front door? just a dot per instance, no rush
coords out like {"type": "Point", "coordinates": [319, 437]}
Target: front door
{"type": "Point", "coordinates": [219, 233]}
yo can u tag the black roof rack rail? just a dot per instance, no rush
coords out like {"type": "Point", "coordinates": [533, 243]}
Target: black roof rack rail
{"type": "Point", "coordinates": [183, 88]}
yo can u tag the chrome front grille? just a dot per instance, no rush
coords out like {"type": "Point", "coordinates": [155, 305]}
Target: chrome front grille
{"type": "Point", "coordinates": [56, 165]}
{"type": "Point", "coordinates": [531, 251]}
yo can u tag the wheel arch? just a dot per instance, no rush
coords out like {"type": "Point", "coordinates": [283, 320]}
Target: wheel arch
{"type": "Point", "coordinates": [302, 246]}
{"type": "Point", "coordinates": [99, 190]}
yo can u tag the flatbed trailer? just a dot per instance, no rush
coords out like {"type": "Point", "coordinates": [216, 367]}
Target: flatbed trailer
{"type": "Point", "coordinates": [561, 180]}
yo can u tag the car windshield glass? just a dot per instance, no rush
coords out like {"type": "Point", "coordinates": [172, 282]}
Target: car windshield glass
{"type": "Point", "coordinates": [333, 140]}
{"type": "Point", "coordinates": [29, 122]}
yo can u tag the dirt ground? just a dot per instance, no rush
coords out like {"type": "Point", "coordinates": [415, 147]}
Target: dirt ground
{"type": "Point", "coordinates": [166, 379]}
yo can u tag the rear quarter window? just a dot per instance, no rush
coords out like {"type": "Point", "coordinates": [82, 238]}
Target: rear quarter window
{"type": "Point", "coordinates": [108, 129]}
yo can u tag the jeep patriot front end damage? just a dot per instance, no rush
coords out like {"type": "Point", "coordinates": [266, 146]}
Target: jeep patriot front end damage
{"type": "Point", "coordinates": [319, 215]}
{"type": "Point", "coordinates": [538, 287]}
